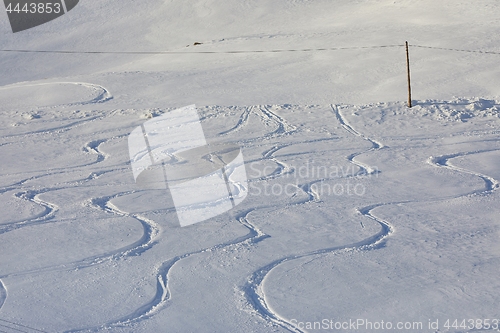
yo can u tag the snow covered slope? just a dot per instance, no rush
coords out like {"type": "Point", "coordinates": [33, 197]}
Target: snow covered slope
{"type": "Point", "coordinates": [344, 76]}
{"type": "Point", "coordinates": [358, 208]}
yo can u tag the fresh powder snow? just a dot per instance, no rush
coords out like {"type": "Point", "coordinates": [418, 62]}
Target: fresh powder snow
{"type": "Point", "coordinates": [354, 213]}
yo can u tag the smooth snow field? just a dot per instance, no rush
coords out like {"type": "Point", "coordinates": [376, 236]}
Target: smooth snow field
{"type": "Point", "coordinates": [354, 213]}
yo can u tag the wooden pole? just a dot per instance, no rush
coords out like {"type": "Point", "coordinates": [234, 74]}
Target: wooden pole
{"type": "Point", "coordinates": [408, 72]}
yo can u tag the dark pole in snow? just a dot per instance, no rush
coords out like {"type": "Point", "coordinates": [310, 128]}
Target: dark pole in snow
{"type": "Point", "coordinates": [408, 72]}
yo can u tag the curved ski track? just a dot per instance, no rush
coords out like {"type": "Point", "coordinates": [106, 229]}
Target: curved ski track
{"type": "Point", "coordinates": [50, 210]}
{"type": "Point", "coordinates": [150, 227]}
{"type": "Point", "coordinates": [282, 169]}
{"type": "Point", "coordinates": [148, 239]}
{"type": "Point", "coordinates": [266, 116]}
{"type": "Point", "coordinates": [3, 294]}
{"type": "Point", "coordinates": [254, 288]}
{"type": "Point", "coordinates": [103, 94]}
{"type": "Point", "coordinates": [241, 122]}
{"type": "Point", "coordinates": [254, 235]}
{"type": "Point", "coordinates": [58, 129]}
{"type": "Point", "coordinates": [375, 144]}
{"type": "Point", "coordinates": [442, 161]}
{"type": "Point", "coordinates": [163, 294]}
{"type": "Point", "coordinates": [33, 195]}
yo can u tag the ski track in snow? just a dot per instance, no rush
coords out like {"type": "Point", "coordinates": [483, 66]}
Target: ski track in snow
{"type": "Point", "coordinates": [443, 161]}
{"type": "Point", "coordinates": [150, 232]}
{"type": "Point", "coordinates": [3, 294]}
{"type": "Point", "coordinates": [7, 326]}
{"type": "Point", "coordinates": [150, 227]}
{"type": "Point", "coordinates": [243, 121]}
{"type": "Point", "coordinates": [163, 294]}
{"type": "Point", "coordinates": [253, 290]}
{"type": "Point", "coordinates": [50, 209]}
{"type": "Point", "coordinates": [266, 116]}
{"type": "Point", "coordinates": [254, 287]}
{"type": "Point", "coordinates": [32, 196]}
{"type": "Point", "coordinates": [282, 168]}
{"type": "Point", "coordinates": [103, 95]}
{"type": "Point", "coordinates": [93, 148]}
{"type": "Point", "coordinates": [58, 129]}
{"type": "Point", "coordinates": [283, 126]}
{"type": "Point", "coordinates": [375, 144]}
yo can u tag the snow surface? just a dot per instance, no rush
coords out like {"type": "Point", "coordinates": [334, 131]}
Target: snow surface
{"type": "Point", "coordinates": [358, 207]}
